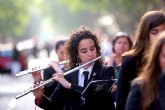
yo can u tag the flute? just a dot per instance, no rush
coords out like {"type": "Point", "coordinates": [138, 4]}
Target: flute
{"type": "Point", "coordinates": [36, 86]}
{"type": "Point", "coordinates": [38, 69]}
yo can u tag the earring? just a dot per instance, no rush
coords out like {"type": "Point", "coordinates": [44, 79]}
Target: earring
{"type": "Point", "coordinates": [78, 62]}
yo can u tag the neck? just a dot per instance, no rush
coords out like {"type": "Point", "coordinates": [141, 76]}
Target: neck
{"type": "Point", "coordinates": [87, 66]}
{"type": "Point", "coordinates": [118, 59]}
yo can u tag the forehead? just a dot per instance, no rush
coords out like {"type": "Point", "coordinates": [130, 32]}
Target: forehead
{"type": "Point", "coordinates": [85, 43]}
{"type": "Point", "coordinates": [160, 27]}
{"type": "Point", "coordinates": [122, 39]}
{"type": "Point", "coordinates": [60, 48]}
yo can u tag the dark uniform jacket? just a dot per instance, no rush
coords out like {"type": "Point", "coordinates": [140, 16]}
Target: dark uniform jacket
{"type": "Point", "coordinates": [71, 99]}
{"type": "Point", "coordinates": [128, 72]}
{"type": "Point", "coordinates": [49, 88]}
{"type": "Point", "coordinates": [134, 100]}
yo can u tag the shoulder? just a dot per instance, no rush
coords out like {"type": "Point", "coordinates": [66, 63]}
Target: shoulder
{"type": "Point", "coordinates": [135, 92]}
{"type": "Point", "coordinates": [129, 59]}
{"type": "Point", "coordinates": [137, 85]}
{"type": "Point", "coordinates": [104, 67]}
{"type": "Point", "coordinates": [134, 97]}
{"type": "Point", "coordinates": [107, 71]}
{"type": "Point", "coordinates": [108, 68]}
{"type": "Point", "coordinates": [136, 89]}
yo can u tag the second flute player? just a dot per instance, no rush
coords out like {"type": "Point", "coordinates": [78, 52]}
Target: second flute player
{"type": "Point", "coordinates": [82, 47]}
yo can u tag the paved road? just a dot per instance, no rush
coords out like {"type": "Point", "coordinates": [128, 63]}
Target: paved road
{"type": "Point", "coordinates": [10, 87]}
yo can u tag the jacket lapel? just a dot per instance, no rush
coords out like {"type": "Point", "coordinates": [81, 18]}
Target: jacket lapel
{"type": "Point", "coordinates": [95, 72]}
{"type": "Point", "coordinates": [75, 77]}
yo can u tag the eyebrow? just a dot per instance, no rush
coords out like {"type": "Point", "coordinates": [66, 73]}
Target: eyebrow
{"type": "Point", "coordinates": [154, 29]}
{"type": "Point", "coordinates": [86, 48]}
{"type": "Point", "coordinates": [83, 49]}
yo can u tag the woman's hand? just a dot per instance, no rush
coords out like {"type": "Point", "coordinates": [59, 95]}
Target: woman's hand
{"type": "Point", "coordinates": [36, 74]}
{"type": "Point", "coordinates": [56, 66]}
{"type": "Point", "coordinates": [60, 78]}
{"type": "Point", "coordinates": [114, 88]}
{"type": "Point", "coordinates": [112, 57]}
{"type": "Point", "coordinates": [38, 93]}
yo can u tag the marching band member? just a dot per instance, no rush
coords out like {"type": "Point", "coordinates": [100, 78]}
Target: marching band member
{"type": "Point", "coordinates": [83, 46]}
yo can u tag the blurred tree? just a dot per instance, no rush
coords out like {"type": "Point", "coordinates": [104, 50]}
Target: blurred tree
{"type": "Point", "coordinates": [23, 17]}
{"type": "Point", "coordinates": [126, 12]}
{"type": "Point", "coordinates": [13, 17]}
{"type": "Point", "coordinates": [63, 20]}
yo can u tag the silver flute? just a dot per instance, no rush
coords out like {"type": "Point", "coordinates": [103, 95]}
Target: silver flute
{"type": "Point", "coordinates": [40, 68]}
{"type": "Point", "coordinates": [36, 86]}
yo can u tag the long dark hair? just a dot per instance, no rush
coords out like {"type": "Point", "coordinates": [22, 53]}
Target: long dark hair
{"type": "Point", "coordinates": [150, 74]}
{"type": "Point", "coordinates": [148, 21]}
{"type": "Point", "coordinates": [72, 44]}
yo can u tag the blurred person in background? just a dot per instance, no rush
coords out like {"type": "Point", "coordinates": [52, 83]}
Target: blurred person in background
{"type": "Point", "coordinates": [151, 24]}
{"type": "Point", "coordinates": [120, 44]}
{"type": "Point", "coordinates": [60, 52]}
{"type": "Point", "coordinates": [23, 60]}
{"type": "Point", "coordinates": [48, 73]}
{"type": "Point", "coordinates": [35, 50]}
{"type": "Point", "coordinates": [15, 65]}
{"type": "Point", "coordinates": [48, 48]}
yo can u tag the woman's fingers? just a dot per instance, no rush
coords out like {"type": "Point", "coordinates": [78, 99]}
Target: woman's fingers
{"type": "Point", "coordinates": [36, 73]}
{"type": "Point", "coordinates": [58, 75]}
{"type": "Point", "coordinates": [38, 92]}
{"type": "Point", "coordinates": [56, 66]}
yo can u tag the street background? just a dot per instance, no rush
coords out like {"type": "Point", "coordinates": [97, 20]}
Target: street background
{"type": "Point", "coordinates": [29, 30]}
{"type": "Point", "coordinates": [10, 87]}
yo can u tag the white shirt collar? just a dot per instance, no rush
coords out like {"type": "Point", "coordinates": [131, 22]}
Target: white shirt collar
{"type": "Point", "coordinates": [81, 70]}
{"type": "Point", "coordinates": [81, 76]}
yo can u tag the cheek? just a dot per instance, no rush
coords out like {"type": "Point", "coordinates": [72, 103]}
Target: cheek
{"type": "Point", "coordinates": [162, 63]}
{"type": "Point", "coordinates": [62, 56]}
{"type": "Point", "coordinates": [121, 48]}
{"type": "Point", "coordinates": [153, 37]}
{"type": "Point", "coordinates": [95, 53]}
{"type": "Point", "coordinates": [126, 47]}
{"type": "Point", "coordinates": [116, 47]}
{"type": "Point", "coordinates": [81, 55]}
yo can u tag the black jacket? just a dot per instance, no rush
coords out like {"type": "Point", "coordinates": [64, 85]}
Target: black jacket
{"type": "Point", "coordinates": [49, 88]}
{"type": "Point", "coordinates": [64, 99]}
{"type": "Point", "coordinates": [47, 74]}
{"type": "Point", "coordinates": [134, 100]}
{"type": "Point", "coordinates": [128, 72]}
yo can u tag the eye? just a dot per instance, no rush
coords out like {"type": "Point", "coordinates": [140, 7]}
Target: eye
{"type": "Point", "coordinates": [92, 48]}
{"type": "Point", "coordinates": [84, 51]}
{"type": "Point", "coordinates": [154, 31]}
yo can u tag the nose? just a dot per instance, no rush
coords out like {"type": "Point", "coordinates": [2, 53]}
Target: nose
{"type": "Point", "coordinates": [89, 53]}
